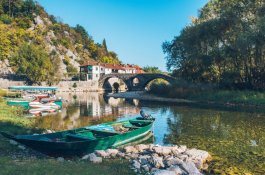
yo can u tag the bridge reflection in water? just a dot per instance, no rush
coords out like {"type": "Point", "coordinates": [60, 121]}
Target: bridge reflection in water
{"type": "Point", "coordinates": [82, 109]}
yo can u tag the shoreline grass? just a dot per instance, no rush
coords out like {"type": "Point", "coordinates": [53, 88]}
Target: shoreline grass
{"type": "Point", "coordinates": [208, 94]}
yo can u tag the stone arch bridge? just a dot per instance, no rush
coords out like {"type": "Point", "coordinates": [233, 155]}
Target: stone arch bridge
{"type": "Point", "coordinates": [135, 82]}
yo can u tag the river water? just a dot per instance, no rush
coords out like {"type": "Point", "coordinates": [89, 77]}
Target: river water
{"type": "Point", "coordinates": [235, 139]}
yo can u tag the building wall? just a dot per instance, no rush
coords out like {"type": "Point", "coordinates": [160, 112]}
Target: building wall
{"type": "Point", "coordinates": [65, 86]}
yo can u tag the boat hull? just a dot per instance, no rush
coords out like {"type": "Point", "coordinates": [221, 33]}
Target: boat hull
{"type": "Point", "coordinates": [79, 148]}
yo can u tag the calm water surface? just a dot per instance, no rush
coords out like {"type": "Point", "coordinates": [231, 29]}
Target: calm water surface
{"type": "Point", "coordinates": [235, 139]}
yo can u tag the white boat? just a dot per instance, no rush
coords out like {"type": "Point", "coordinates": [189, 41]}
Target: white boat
{"type": "Point", "coordinates": [37, 111]}
{"type": "Point", "coordinates": [43, 105]}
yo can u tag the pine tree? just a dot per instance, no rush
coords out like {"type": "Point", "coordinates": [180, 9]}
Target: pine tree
{"type": "Point", "coordinates": [104, 44]}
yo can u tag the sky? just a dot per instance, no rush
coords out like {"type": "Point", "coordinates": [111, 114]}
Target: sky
{"type": "Point", "coordinates": [134, 29]}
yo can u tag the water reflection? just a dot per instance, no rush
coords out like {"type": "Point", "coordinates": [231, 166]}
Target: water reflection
{"type": "Point", "coordinates": [235, 139]}
{"type": "Point", "coordinates": [82, 109]}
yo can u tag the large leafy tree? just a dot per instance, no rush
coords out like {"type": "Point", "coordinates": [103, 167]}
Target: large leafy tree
{"type": "Point", "coordinates": [224, 45]}
{"type": "Point", "coordinates": [33, 62]}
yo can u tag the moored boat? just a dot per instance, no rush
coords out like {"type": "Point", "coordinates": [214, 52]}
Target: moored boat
{"type": "Point", "coordinates": [36, 111]}
{"type": "Point", "coordinates": [43, 105]}
{"type": "Point", "coordinates": [78, 142]}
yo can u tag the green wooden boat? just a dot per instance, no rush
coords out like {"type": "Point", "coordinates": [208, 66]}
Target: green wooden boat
{"type": "Point", "coordinates": [85, 140]}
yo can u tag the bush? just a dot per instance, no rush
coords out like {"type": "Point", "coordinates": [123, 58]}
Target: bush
{"type": "Point", "coordinates": [66, 60]}
{"type": "Point", "coordinates": [74, 85]}
{"type": "Point", "coordinates": [6, 19]}
{"type": "Point", "coordinates": [24, 23]}
{"type": "Point", "coordinates": [71, 70]}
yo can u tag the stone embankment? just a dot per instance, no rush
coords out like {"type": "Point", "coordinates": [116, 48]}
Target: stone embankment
{"type": "Point", "coordinates": [156, 159]}
{"type": "Point", "coordinates": [142, 95]}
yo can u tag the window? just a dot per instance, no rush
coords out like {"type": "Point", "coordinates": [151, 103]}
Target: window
{"type": "Point", "coordinates": [89, 68]}
{"type": "Point", "coordinates": [101, 69]}
{"type": "Point", "coordinates": [96, 68]}
{"type": "Point", "coordinates": [96, 75]}
{"type": "Point", "coordinates": [90, 76]}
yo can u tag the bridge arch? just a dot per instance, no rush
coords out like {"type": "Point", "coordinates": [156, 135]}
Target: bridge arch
{"type": "Point", "coordinates": [135, 82]}
{"type": "Point", "coordinates": [145, 79]}
{"type": "Point", "coordinates": [105, 79]}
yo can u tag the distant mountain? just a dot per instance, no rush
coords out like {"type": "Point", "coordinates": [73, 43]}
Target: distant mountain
{"type": "Point", "coordinates": [25, 22]}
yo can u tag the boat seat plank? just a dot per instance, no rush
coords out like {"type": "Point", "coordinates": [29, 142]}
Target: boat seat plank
{"type": "Point", "coordinates": [80, 137]}
{"type": "Point", "coordinates": [130, 126]}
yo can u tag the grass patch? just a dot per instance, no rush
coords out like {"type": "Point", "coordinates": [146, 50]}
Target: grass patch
{"type": "Point", "coordinates": [53, 167]}
{"type": "Point", "coordinates": [234, 97]}
{"type": "Point", "coordinates": [207, 93]}
{"type": "Point", "coordinates": [14, 116]}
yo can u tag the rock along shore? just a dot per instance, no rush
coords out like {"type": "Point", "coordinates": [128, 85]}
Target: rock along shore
{"type": "Point", "coordinates": [156, 159]}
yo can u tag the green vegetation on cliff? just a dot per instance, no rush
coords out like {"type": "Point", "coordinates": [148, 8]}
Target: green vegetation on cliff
{"type": "Point", "coordinates": [60, 47]}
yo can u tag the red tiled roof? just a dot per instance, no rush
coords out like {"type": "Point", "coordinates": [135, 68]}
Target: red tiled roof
{"type": "Point", "coordinates": [90, 63]}
{"type": "Point", "coordinates": [114, 66]}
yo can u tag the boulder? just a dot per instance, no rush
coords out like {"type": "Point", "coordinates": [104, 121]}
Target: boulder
{"type": "Point", "coordinates": [183, 157]}
{"type": "Point", "coordinates": [158, 150]}
{"type": "Point", "coordinates": [182, 148]}
{"type": "Point", "coordinates": [121, 154]}
{"type": "Point", "coordinates": [157, 162]}
{"type": "Point", "coordinates": [136, 164]}
{"type": "Point", "coordinates": [13, 142]}
{"type": "Point", "coordinates": [130, 149]}
{"type": "Point", "coordinates": [144, 159]}
{"type": "Point", "coordinates": [190, 168]}
{"type": "Point", "coordinates": [176, 169]}
{"type": "Point", "coordinates": [163, 172]}
{"type": "Point", "coordinates": [92, 158]}
{"type": "Point", "coordinates": [198, 154]}
{"type": "Point", "coordinates": [151, 147]}
{"type": "Point", "coordinates": [112, 152]}
{"type": "Point", "coordinates": [173, 161]}
{"type": "Point", "coordinates": [134, 155]}
{"type": "Point", "coordinates": [21, 147]}
{"type": "Point", "coordinates": [166, 151]}
{"type": "Point", "coordinates": [96, 159]}
{"type": "Point", "coordinates": [141, 147]}
{"type": "Point", "coordinates": [101, 153]}
{"type": "Point", "coordinates": [60, 159]}
{"type": "Point", "coordinates": [145, 168]}
{"type": "Point", "coordinates": [175, 150]}
{"type": "Point", "coordinates": [88, 156]}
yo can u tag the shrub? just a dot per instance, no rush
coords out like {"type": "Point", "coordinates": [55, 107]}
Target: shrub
{"type": "Point", "coordinates": [74, 85]}
{"type": "Point", "coordinates": [6, 19]}
{"type": "Point", "coordinates": [24, 23]}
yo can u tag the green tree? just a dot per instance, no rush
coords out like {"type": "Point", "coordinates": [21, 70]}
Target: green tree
{"type": "Point", "coordinates": [223, 46]}
{"type": "Point", "coordinates": [104, 45]}
{"type": "Point", "coordinates": [33, 62]}
{"type": "Point", "coordinates": [151, 69]}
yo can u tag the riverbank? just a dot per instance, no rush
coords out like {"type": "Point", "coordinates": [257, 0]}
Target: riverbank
{"type": "Point", "coordinates": [16, 159]}
{"type": "Point", "coordinates": [222, 99]}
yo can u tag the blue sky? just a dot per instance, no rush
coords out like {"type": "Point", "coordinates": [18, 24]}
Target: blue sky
{"type": "Point", "coordinates": [134, 29]}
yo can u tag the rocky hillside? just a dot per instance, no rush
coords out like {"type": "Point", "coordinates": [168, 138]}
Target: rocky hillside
{"type": "Point", "coordinates": [25, 22]}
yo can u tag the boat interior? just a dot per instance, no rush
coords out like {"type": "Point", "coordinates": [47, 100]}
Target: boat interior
{"type": "Point", "coordinates": [90, 133]}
